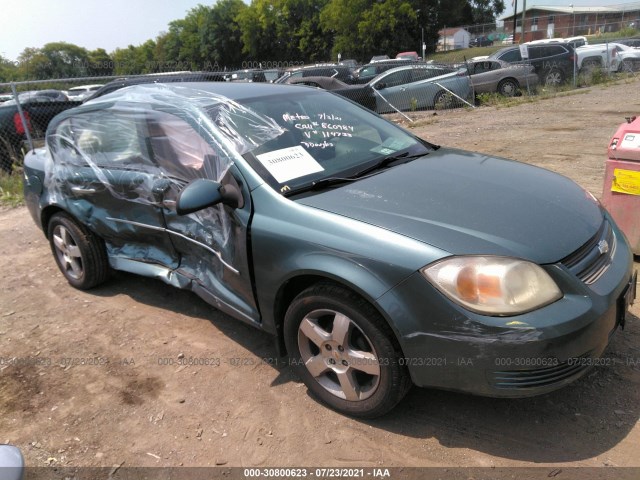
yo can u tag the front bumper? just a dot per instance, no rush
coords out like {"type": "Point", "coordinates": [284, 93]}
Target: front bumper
{"type": "Point", "coordinates": [447, 347]}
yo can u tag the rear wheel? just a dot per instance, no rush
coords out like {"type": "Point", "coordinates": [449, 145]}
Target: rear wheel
{"type": "Point", "coordinates": [627, 66]}
{"type": "Point", "coordinates": [79, 253]}
{"type": "Point", "coordinates": [553, 78]}
{"type": "Point", "coordinates": [344, 351]}
{"type": "Point", "coordinates": [443, 100]}
{"type": "Point", "coordinates": [508, 87]}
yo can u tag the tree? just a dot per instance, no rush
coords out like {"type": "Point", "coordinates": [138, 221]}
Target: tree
{"type": "Point", "coordinates": [340, 19]}
{"type": "Point", "coordinates": [8, 70]}
{"type": "Point", "coordinates": [66, 60]}
{"type": "Point", "coordinates": [389, 27]}
{"type": "Point", "coordinates": [221, 36]}
{"type": "Point", "coordinates": [486, 11]}
{"type": "Point", "coordinates": [100, 63]}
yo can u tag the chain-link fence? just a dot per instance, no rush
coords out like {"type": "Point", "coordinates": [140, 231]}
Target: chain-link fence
{"type": "Point", "coordinates": [386, 87]}
{"type": "Point", "coordinates": [29, 107]}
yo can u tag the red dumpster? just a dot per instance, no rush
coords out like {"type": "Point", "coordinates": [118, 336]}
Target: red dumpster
{"type": "Point", "coordinates": [621, 190]}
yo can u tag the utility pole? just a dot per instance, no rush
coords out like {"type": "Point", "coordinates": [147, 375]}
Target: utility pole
{"type": "Point", "coordinates": [515, 16]}
{"type": "Point", "coordinates": [524, 13]}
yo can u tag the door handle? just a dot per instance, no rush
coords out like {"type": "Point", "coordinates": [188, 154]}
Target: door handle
{"type": "Point", "coordinates": [83, 190]}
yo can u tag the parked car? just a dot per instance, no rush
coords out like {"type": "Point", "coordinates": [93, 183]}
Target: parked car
{"type": "Point", "coordinates": [375, 258]}
{"type": "Point", "coordinates": [368, 72]}
{"type": "Point", "coordinates": [172, 77]}
{"type": "Point", "coordinates": [575, 42]}
{"type": "Point", "coordinates": [379, 58]}
{"type": "Point", "coordinates": [326, 83]}
{"type": "Point", "coordinates": [630, 42]}
{"type": "Point", "coordinates": [417, 87]}
{"type": "Point", "coordinates": [83, 91]}
{"type": "Point", "coordinates": [553, 62]}
{"type": "Point", "coordinates": [272, 74]}
{"type": "Point", "coordinates": [628, 57]}
{"type": "Point", "coordinates": [482, 41]}
{"type": "Point", "coordinates": [247, 75]}
{"type": "Point", "coordinates": [349, 62]}
{"type": "Point", "coordinates": [491, 76]}
{"type": "Point", "coordinates": [507, 40]}
{"type": "Point", "coordinates": [342, 73]}
{"type": "Point", "coordinates": [5, 96]}
{"type": "Point", "coordinates": [38, 107]}
{"type": "Point", "coordinates": [600, 55]}
{"type": "Point", "coordinates": [413, 56]}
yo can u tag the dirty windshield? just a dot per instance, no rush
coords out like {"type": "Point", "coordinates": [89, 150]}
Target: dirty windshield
{"type": "Point", "coordinates": [324, 137]}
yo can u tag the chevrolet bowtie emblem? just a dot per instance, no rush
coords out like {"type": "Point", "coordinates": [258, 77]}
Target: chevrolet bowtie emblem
{"type": "Point", "coordinates": [603, 247]}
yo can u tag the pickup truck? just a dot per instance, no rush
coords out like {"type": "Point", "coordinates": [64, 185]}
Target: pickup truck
{"type": "Point", "coordinates": [601, 55]}
{"type": "Point", "coordinates": [38, 110]}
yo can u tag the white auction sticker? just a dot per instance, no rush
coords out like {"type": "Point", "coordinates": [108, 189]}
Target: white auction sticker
{"type": "Point", "coordinates": [288, 163]}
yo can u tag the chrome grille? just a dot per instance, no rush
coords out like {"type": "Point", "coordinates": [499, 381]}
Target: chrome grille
{"type": "Point", "coordinates": [591, 260]}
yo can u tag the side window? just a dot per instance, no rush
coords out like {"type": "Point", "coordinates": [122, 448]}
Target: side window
{"type": "Point", "coordinates": [536, 51]}
{"type": "Point", "coordinates": [365, 72]}
{"type": "Point", "coordinates": [555, 50]}
{"type": "Point", "coordinates": [421, 74]}
{"type": "Point", "coordinates": [179, 150]}
{"type": "Point", "coordinates": [110, 139]}
{"type": "Point", "coordinates": [396, 78]}
{"type": "Point", "coordinates": [512, 55]}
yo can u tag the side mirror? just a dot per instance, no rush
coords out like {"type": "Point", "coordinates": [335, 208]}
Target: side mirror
{"type": "Point", "coordinates": [198, 195]}
{"type": "Point", "coordinates": [380, 86]}
{"type": "Point", "coordinates": [202, 193]}
{"type": "Point", "coordinates": [11, 463]}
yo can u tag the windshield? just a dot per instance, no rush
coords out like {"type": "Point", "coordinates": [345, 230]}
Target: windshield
{"type": "Point", "coordinates": [325, 136]}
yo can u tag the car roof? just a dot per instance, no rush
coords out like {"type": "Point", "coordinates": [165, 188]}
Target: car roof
{"type": "Point", "coordinates": [230, 90]}
{"type": "Point", "coordinates": [157, 78]}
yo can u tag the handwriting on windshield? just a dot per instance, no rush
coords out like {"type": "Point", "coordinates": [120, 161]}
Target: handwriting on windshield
{"type": "Point", "coordinates": [315, 128]}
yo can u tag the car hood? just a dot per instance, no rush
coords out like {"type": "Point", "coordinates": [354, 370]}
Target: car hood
{"type": "Point", "coordinates": [468, 203]}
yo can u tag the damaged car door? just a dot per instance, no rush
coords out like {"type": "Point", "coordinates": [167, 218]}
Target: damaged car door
{"type": "Point", "coordinates": [104, 171]}
{"type": "Point", "coordinates": [212, 242]}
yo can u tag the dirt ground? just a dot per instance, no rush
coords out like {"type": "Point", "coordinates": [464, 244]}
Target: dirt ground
{"type": "Point", "coordinates": [139, 407]}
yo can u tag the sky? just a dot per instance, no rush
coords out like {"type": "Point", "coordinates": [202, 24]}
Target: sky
{"type": "Point", "coordinates": [91, 24]}
{"type": "Point", "coordinates": [112, 24]}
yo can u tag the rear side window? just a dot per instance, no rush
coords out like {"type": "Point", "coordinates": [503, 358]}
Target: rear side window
{"type": "Point", "coordinates": [512, 56]}
{"type": "Point", "coordinates": [553, 50]}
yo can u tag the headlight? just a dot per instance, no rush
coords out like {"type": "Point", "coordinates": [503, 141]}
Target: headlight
{"type": "Point", "coordinates": [493, 285]}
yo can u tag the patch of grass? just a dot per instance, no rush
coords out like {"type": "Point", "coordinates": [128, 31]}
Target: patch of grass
{"type": "Point", "coordinates": [611, 36]}
{"type": "Point", "coordinates": [11, 189]}
{"type": "Point", "coordinates": [456, 56]}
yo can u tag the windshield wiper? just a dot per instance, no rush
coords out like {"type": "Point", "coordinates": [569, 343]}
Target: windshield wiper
{"type": "Point", "coordinates": [386, 161]}
{"type": "Point", "coordinates": [321, 184]}
{"type": "Point", "coordinates": [327, 182]}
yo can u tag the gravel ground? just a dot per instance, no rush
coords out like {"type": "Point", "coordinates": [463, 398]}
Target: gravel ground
{"type": "Point", "coordinates": [140, 410]}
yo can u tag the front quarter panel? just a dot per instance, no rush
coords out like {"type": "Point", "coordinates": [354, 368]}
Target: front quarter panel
{"type": "Point", "coordinates": [290, 240]}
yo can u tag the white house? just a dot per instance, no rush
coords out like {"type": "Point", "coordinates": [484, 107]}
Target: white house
{"type": "Point", "coordinates": [453, 39]}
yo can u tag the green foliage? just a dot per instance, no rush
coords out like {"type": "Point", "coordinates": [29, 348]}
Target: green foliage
{"type": "Point", "coordinates": [11, 189]}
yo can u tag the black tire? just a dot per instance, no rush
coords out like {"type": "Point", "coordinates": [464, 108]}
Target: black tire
{"type": "Point", "coordinates": [80, 254]}
{"type": "Point", "coordinates": [358, 367]}
{"type": "Point", "coordinates": [509, 87]}
{"type": "Point", "coordinates": [443, 100]}
{"type": "Point", "coordinates": [553, 78]}
{"type": "Point", "coordinates": [589, 65]}
{"type": "Point", "coordinates": [627, 66]}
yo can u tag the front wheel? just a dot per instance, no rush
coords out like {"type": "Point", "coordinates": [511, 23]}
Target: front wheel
{"type": "Point", "coordinates": [79, 253]}
{"type": "Point", "coordinates": [344, 351]}
{"type": "Point", "coordinates": [508, 87]}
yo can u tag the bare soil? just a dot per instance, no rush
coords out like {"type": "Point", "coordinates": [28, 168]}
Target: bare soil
{"type": "Point", "coordinates": [138, 406]}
